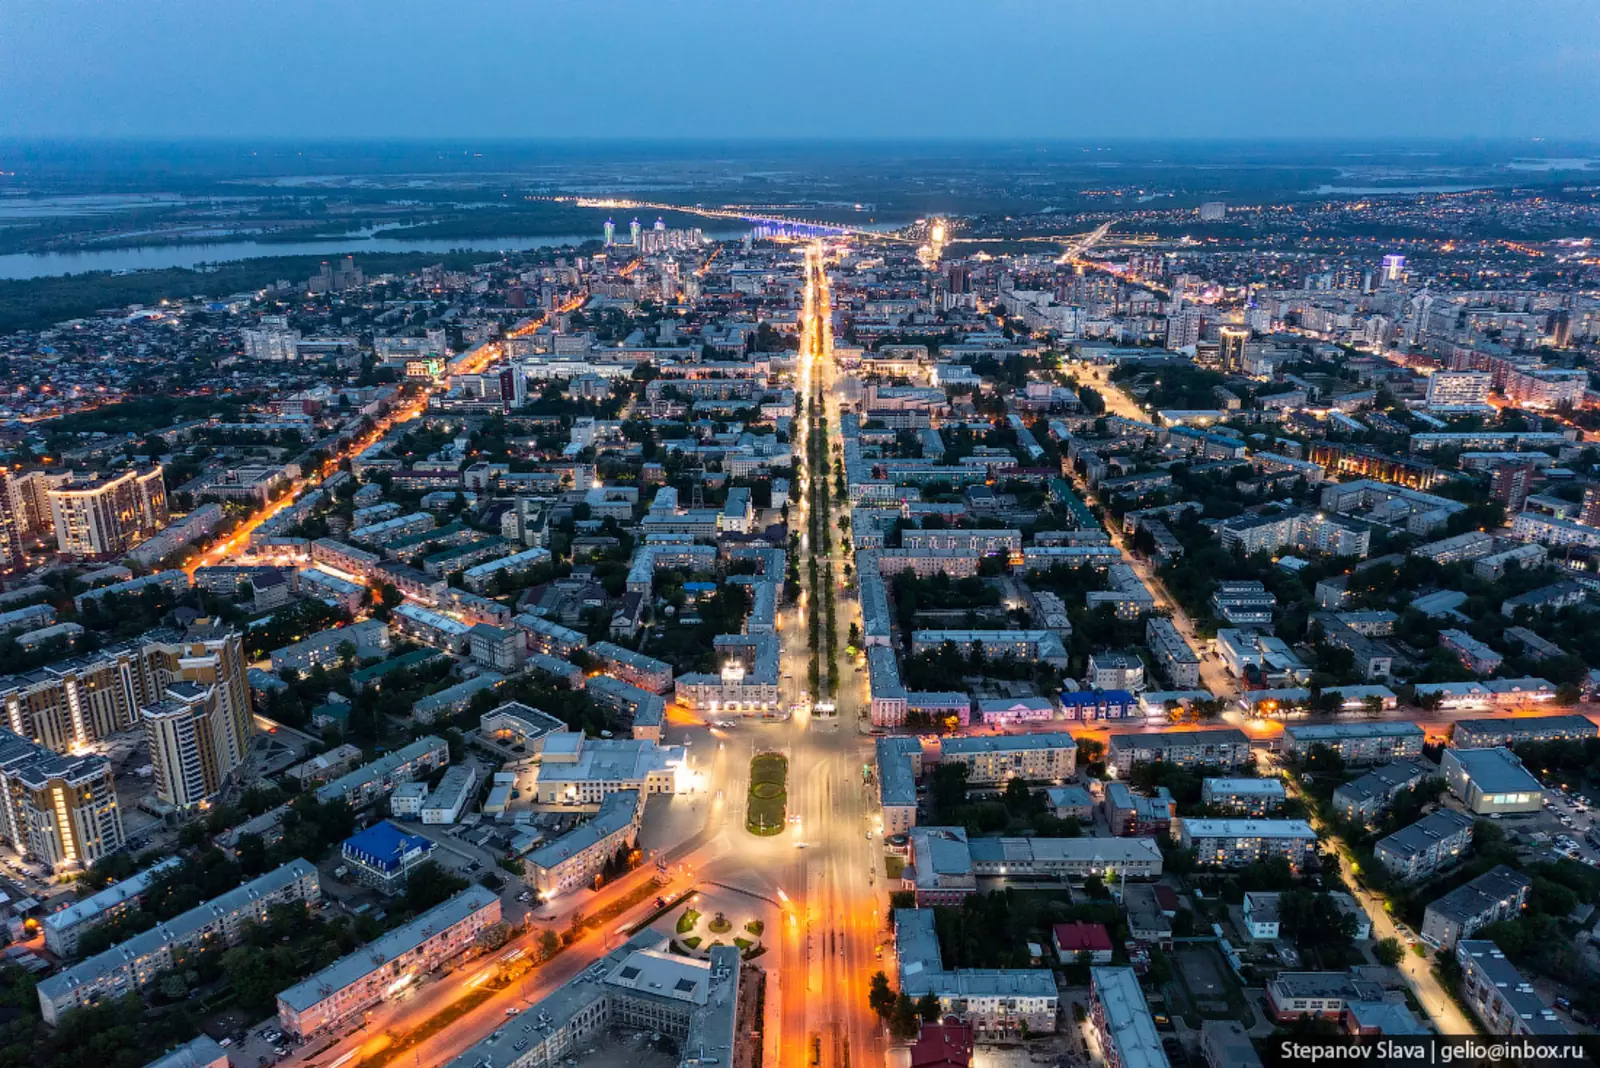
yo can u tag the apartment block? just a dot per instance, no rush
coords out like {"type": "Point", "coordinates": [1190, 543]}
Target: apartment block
{"type": "Point", "coordinates": [1121, 1020]}
{"type": "Point", "coordinates": [60, 810]}
{"type": "Point", "coordinates": [1044, 757]}
{"type": "Point", "coordinates": [1044, 646]}
{"type": "Point", "coordinates": [371, 781]}
{"type": "Point", "coordinates": [369, 638]}
{"type": "Point", "coordinates": [1489, 733]}
{"type": "Point", "coordinates": [1498, 894]}
{"type": "Point", "coordinates": [79, 700]}
{"type": "Point", "coordinates": [571, 861]}
{"type": "Point", "coordinates": [1419, 849]}
{"type": "Point", "coordinates": [104, 518]}
{"type": "Point", "coordinates": [1245, 797]}
{"type": "Point", "coordinates": [645, 672]}
{"type": "Point", "coordinates": [1173, 655]}
{"type": "Point", "coordinates": [1228, 843]}
{"type": "Point", "coordinates": [1223, 747]}
{"type": "Point", "coordinates": [1504, 1002]}
{"type": "Point", "coordinates": [1365, 798]}
{"type": "Point", "coordinates": [132, 965]}
{"type": "Point", "coordinates": [998, 1003]}
{"type": "Point", "coordinates": [392, 963]}
{"type": "Point", "coordinates": [1356, 743]}
{"type": "Point", "coordinates": [62, 928]}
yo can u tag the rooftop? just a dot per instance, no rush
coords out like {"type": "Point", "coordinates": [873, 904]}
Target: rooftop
{"type": "Point", "coordinates": [1494, 771]}
{"type": "Point", "coordinates": [1210, 828]}
{"type": "Point", "coordinates": [615, 812]}
{"type": "Point", "coordinates": [377, 954]}
{"type": "Point", "coordinates": [1128, 1023]}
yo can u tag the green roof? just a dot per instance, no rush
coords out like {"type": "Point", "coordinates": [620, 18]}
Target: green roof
{"type": "Point", "coordinates": [423, 537]}
{"type": "Point", "coordinates": [394, 663]}
{"type": "Point", "coordinates": [491, 542]}
{"type": "Point", "coordinates": [338, 710]}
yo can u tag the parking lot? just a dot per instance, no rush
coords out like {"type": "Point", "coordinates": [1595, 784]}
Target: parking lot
{"type": "Point", "coordinates": [1567, 827]}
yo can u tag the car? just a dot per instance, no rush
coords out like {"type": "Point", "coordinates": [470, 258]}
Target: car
{"type": "Point", "coordinates": [282, 1051]}
{"type": "Point", "coordinates": [512, 1011]}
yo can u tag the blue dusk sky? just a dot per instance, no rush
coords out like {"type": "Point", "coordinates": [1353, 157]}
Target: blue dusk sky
{"type": "Point", "coordinates": [795, 70]}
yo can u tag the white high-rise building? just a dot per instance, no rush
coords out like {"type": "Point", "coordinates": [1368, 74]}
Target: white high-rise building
{"type": "Point", "coordinates": [1459, 387]}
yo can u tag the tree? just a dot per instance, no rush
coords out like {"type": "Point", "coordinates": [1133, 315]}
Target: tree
{"type": "Point", "coordinates": [549, 944]}
{"type": "Point", "coordinates": [429, 884]}
{"type": "Point", "coordinates": [1388, 951]}
{"type": "Point", "coordinates": [904, 1023]}
{"type": "Point", "coordinates": [928, 1008]}
{"type": "Point", "coordinates": [879, 996]}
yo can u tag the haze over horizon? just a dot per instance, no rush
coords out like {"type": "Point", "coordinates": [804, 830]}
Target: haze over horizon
{"type": "Point", "coordinates": [712, 69]}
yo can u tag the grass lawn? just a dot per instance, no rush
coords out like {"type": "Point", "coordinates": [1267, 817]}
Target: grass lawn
{"type": "Point", "coordinates": [687, 921]}
{"type": "Point", "coordinates": [768, 797]}
{"type": "Point", "coordinates": [893, 866]}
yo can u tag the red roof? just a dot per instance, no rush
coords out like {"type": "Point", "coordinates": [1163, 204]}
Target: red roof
{"type": "Point", "coordinates": [1079, 936]}
{"type": "Point", "coordinates": [946, 1045]}
{"type": "Point", "coordinates": [1166, 897]}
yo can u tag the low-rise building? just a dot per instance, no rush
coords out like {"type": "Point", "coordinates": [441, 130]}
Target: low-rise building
{"type": "Point", "coordinates": [1114, 670]}
{"type": "Point", "coordinates": [202, 1052]}
{"type": "Point", "coordinates": [998, 758]}
{"type": "Point", "coordinates": [638, 986]}
{"type": "Point", "coordinates": [1246, 797]}
{"type": "Point", "coordinates": [1073, 939]}
{"type": "Point", "coordinates": [1488, 733]}
{"type": "Point", "coordinates": [1243, 604]}
{"type": "Point", "coordinates": [1226, 1044]}
{"type": "Point", "coordinates": [575, 770]}
{"type": "Point", "coordinates": [1491, 781]}
{"type": "Point", "coordinates": [132, 965]}
{"type": "Point", "coordinates": [63, 928]}
{"type": "Point", "coordinates": [392, 963]}
{"type": "Point", "coordinates": [1498, 894]}
{"type": "Point", "coordinates": [1365, 798]}
{"type": "Point", "coordinates": [1504, 1002]}
{"type": "Point", "coordinates": [405, 800]}
{"type": "Point", "coordinates": [1419, 849]}
{"type": "Point", "coordinates": [373, 780]}
{"type": "Point", "coordinates": [383, 856]}
{"type": "Point", "coordinates": [1121, 1020]}
{"type": "Point", "coordinates": [1356, 743]}
{"type": "Point", "coordinates": [1325, 994]}
{"type": "Point", "coordinates": [1085, 706]}
{"type": "Point", "coordinates": [571, 861]}
{"type": "Point", "coordinates": [998, 1003]}
{"type": "Point", "coordinates": [1223, 747]}
{"type": "Point", "coordinates": [1261, 916]}
{"type": "Point", "coordinates": [447, 801]}
{"type": "Point", "coordinates": [366, 639]}
{"type": "Point", "coordinates": [1229, 843]}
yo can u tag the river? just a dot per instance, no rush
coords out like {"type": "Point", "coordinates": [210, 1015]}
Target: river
{"type": "Point", "coordinates": [146, 257]}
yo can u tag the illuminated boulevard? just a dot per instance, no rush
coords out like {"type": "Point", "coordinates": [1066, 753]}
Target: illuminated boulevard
{"type": "Point", "coordinates": [820, 878]}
